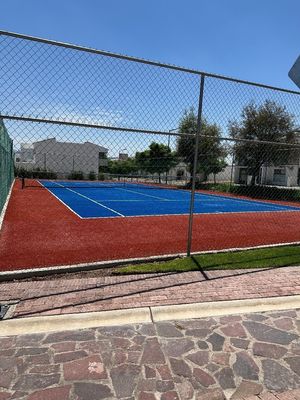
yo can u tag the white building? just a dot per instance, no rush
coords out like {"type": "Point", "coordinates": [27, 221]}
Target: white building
{"type": "Point", "coordinates": [25, 154]}
{"type": "Point", "coordinates": [281, 175]}
{"type": "Point", "coordinates": [181, 173]}
{"type": "Point", "coordinates": [62, 157]}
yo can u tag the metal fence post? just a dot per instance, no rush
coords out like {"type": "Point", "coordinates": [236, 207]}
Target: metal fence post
{"type": "Point", "coordinates": [198, 132]}
{"type": "Point", "coordinates": [231, 171]}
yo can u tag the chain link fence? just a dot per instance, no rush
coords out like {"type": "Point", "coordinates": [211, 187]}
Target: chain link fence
{"type": "Point", "coordinates": [221, 156]}
{"type": "Point", "coordinates": [6, 164]}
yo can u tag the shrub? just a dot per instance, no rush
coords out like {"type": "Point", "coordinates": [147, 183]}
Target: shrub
{"type": "Point", "coordinates": [266, 192]}
{"type": "Point", "coordinates": [35, 173]}
{"type": "Point", "coordinates": [76, 176]}
{"type": "Point", "coordinates": [218, 187]}
{"type": "Point", "coordinates": [92, 176]}
{"type": "Point", "coordinates": [256, 192]}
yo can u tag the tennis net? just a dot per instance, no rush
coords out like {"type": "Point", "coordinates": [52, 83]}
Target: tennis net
{"type": "Point", "coordinates": [60, 181]}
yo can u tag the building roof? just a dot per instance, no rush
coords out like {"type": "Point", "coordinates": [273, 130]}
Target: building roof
{"type": "Point", "coordinates": [53, 140]}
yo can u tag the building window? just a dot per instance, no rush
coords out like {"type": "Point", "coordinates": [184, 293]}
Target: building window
{"type": "Point", "coordinates": [180, 174]}
{"type": "Point", "coordinates": [279, 171]}
{"type": "Point", "coordinates": [243, 175]}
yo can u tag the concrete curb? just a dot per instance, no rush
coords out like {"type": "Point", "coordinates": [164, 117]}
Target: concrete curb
{"type": "Point", "coordinates": [154, 314]}
{"type": "Point", "coordinates": [58, 323]}
{"type": "Point", "coordinates": [84, 267]}
{"type": "Point", "coordinates": [3, 212]}
{"type": "Point", "coordinates": [230, 307]}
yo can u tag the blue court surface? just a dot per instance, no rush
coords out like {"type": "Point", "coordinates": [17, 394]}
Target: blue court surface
{"type": "Point", "coordinates": [130, 199]}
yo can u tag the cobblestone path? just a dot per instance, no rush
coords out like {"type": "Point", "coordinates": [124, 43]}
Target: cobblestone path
{"type": "Point", "coordinates": [254, 356]}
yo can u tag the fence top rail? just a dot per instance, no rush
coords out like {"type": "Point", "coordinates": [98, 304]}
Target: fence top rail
{"type": "Point", "coordinates": [144, 131]}
{"type": "Point", "coordinates": [142, 61]}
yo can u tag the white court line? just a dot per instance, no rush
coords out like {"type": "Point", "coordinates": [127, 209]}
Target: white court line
{"type": "Point", "coordinates": [145, 200]}
{"type": "Point", "coordinates": [57, 198]}
{"type": "Point", "coordinates": [93, 201]}
{"type": "Point", "coordinates": [143, 194]}
{"type": "Point", "coordinates": [213, 200]}
{"type": "Point", "coordinates": [2, 214]}
{"type": "Point", "coordinates": [281, 208]}
{"type": "Point", "coordinates": [275, 205]}
{"type": "Point", "coordinates": [199, 213]}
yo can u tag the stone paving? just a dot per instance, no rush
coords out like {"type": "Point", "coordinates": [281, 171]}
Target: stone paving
{"type": "Point", "coordinates": [254, 356]}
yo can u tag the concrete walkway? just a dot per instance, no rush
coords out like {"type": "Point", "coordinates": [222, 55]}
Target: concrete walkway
{"type": "Point", "coordinates": [230, 357]}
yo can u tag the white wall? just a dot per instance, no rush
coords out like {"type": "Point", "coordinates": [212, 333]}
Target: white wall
{"type": "Point", "coordinates": [289, 179]}
{"type": "Point", "coordinates": [67, 157]}
{"type": "Point", "coordinates": [223, 176]}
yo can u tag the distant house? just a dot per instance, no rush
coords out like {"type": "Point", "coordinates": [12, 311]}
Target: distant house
{"type": "Point", "coordinates": [181, 173]}
{"type": "Point", "coordinates": [275, 174]}
{"type": "Point", "coordinates": [25, 154]}
{"type": "Point", "coordinates": [123, 156]}
{"type": "Point", "coordinates": [62, 157]}
{"type": "Point", "coordinates": [279, 175]}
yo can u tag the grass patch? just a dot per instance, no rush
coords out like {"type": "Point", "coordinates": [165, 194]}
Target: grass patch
{"type": "Point", "coordinates": [259, 258]}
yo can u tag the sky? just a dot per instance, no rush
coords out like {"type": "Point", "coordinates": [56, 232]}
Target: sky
{"type": "Point", "coordinates": [254, 40]}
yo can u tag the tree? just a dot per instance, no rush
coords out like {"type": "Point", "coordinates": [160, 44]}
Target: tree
{"type": "Point", "coordinates": [211, 153]}
{"type": "Point", "coordinates": [157, 159]}
{"type": "Point", "coordinates": [266, 122]}
{"type": "Point", "coordinates": [217, 166]}
{"type": "Point", "coordinates": [122, 167]}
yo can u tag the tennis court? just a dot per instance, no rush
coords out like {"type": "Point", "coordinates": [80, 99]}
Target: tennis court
{"type": "Point", "coordinates": [52, 225]}
{"type": "Point", "coordinates": [109, 200]}
{"type": "Point", "coordinates": [109, 148]}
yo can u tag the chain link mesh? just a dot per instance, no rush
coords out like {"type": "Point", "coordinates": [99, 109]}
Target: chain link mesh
{"type": "Point", "coordinates": [82, 118]}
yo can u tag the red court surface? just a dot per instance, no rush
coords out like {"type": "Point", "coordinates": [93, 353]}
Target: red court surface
{"type": "Point", "coordinates": [39, 231]}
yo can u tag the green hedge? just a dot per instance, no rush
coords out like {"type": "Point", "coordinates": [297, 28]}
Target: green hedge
{"type": "Point", "coordinates": [218, 187]}
{"type": "Point", "coordinates": [92, 176]}
{"type": "Point", "coordinates": [266, 192]}
{"type": "Point", "coordinates": [35, 173]}
{"type": "Point", "coordinates": [76, 176]}
{"type": "Point", "coordinates": [256, 192]}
